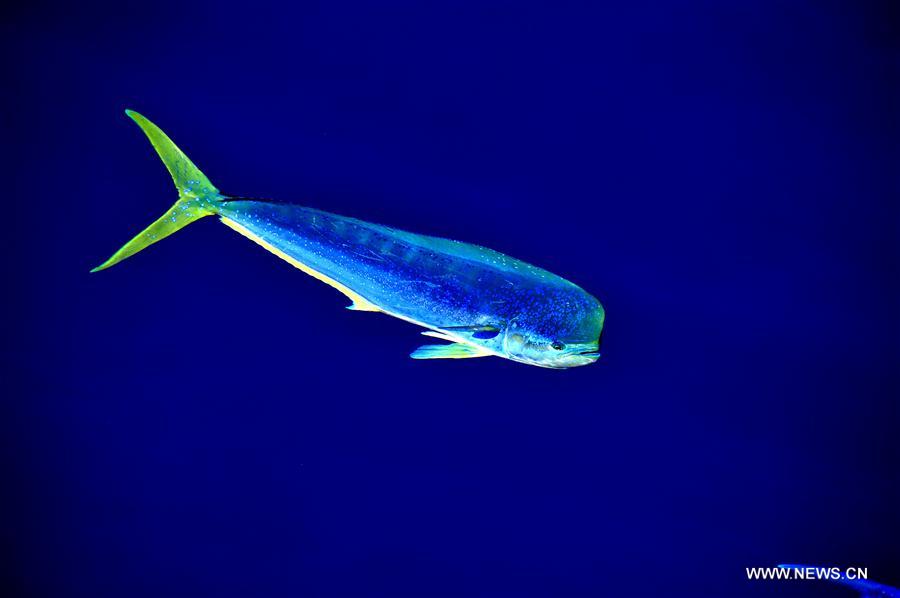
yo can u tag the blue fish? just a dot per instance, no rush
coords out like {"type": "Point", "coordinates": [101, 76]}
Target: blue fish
{"type": "Point", "coordinates": [479, 301]}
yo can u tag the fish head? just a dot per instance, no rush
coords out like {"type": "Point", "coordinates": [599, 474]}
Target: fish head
{"type": "Point", "coordinates": [560, 336]}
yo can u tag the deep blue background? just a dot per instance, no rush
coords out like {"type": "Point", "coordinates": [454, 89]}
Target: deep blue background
{"type": "Point", "coordinates": [204, 420]}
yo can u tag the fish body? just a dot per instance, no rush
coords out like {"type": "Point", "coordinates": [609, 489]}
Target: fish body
{"type": "Point", "coordinates": [482, 301]}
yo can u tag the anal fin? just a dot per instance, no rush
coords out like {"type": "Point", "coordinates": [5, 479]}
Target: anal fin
{"type": "Point", "coordinates": [360, 303]}
{"type": "Point", "coordinates": [363, 305]}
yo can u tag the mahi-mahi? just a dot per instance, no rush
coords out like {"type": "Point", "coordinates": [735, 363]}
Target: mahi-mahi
{"type": "Point", "coordinates": [479, 301]}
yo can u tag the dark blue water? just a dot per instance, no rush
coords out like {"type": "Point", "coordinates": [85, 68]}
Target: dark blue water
{"type": "Point", "coordinates": [205, 420]}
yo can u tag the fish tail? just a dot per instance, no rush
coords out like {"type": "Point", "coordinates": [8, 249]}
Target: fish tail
{"type": "Point", "coordinates": [197, 197]}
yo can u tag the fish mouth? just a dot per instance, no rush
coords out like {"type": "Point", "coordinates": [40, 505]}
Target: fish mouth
{"type": "Point", "coordinates": [580, 358]}
{"type": "Point", "coordinates": [584, 357]}
{"type": "Point", "coordinates": [594, 351]}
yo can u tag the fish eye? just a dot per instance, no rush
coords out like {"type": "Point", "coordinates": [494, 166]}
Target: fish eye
{"type": "Point", "coordinates": [557, 346]}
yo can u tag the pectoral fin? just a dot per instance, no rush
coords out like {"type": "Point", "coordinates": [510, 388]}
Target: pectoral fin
{"type": "Point", "coordinates": [454, 351]}
{"type": "Point", "coordinates": [483, 332]}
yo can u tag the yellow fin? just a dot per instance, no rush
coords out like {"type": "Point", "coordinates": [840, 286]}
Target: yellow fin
{"type": "Point", "coordinates": [360, 303]}
{"type": "Point", "coordinates": [453, 351]}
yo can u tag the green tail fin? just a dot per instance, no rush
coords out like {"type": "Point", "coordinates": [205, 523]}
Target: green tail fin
{"type": "Point", "coordinates": [196, 195]}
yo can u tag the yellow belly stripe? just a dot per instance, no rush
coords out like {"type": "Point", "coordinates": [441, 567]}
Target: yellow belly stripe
{"type": "Point", "coordinates": [360, 303]}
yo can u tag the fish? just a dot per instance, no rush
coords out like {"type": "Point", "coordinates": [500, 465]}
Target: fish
{"type": "Point", "coordinates": [478, 301]}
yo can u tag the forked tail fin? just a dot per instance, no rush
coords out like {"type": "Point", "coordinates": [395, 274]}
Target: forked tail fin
{"type": "Point", "coordinates": [196, 195]}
